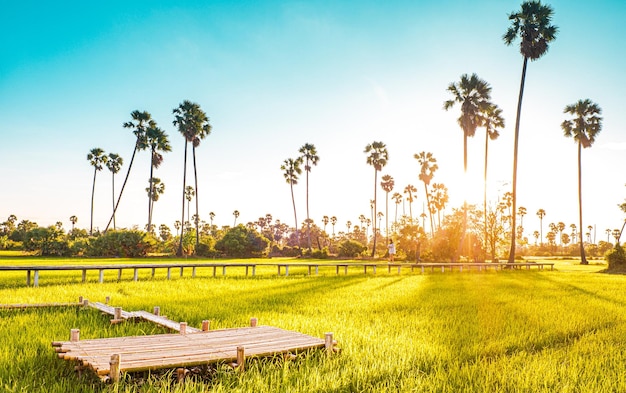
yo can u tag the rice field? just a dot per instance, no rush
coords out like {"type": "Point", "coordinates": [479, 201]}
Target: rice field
{"type": "Point", "coordinates": [504, 331]}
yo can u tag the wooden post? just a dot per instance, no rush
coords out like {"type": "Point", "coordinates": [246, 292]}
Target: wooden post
{"type": "Point", "coordinates": [223, 270]}
{"type": "Point", "coordinates": [253, 270]}
{"type": "Point", "coordinates": [117, 314]}
{"type": "Point", "coordinates": [241, 359]}
{"type": "Point", "coordinates": [169, 273]}
{"type": "Point", "coordinates": [153, 271]}
{"type": "Point", "coordinates": [181, 271]}
{"type": "Point", "coordinates": [28, 278]}
{"type": "Point", "coordinates": [156, 310]}
{"type": "Point", "coordinates": [135, 275]}
{"type": "Point", "coordinates": [119, 274]}
{"type": "Point", "coordinates": [85, 302]}
{"type": "Point", "coordinates": [114, 369]}
{"type": "Point", "coordinates": [84, 275]}
{"type": "Point", "coordinates": [36, 280]}
{"type": "Point", "coordinates": [253, 322]}
{"type": "Point", "coordinates": [80, 299]}
{"type": "Point", "coordinates": [183, 328]}
{"type": "Point", "coordinates": [101, 276]}
{"type": "Point", "coordinates": [206, 325]}
{"type": "Point", "coordinates": [107, 299]}
{"type": "Point", "coordinates": [193, 272]}
{"type": "Point", "coordinates": [328, 342]}
{"type": "Point", "coordinates": [181, 373]}
{"type": "Point", "coordinates": [75, 335]}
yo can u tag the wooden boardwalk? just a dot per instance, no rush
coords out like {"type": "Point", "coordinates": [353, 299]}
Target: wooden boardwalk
{"type": "Point", "coordinates": [108, 357]}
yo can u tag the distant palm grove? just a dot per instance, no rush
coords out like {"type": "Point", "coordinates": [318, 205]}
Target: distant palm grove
{"type": "Point", "coordinates": [464, 233]}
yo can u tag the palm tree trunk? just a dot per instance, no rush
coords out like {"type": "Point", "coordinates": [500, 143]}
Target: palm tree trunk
{"type": "Point", "coordinates": [150, 191]}
{"type": "Point", "coordinates": [195, 175]}
{"type": "Point", "coordinates": [93, 190]}
{"type": "Point", "coordinates": [485, 192]}
{"type": "Point", "coordinates": [132, 158]}
{"type": "Point", "coordinates": [308, 221]}
{"type": "Point", "coordinates": [182, 219]}
{"type": "Point", "coordinates": [374, 220]}
{"type": "Point", "coordinates": [293, 201]}
{"type": "Point", "coordinates": [583, 259]}
{"type": "Point", "coordinates": [112, 197]}
{"type": "Point", "coordinates": [430, 213]}
{"type": "Point", "coordinates": [462, 240]}
{"type": "Point", "coordinates": [387, 215]}
{"type": "Point", "coordinates": [514, 191]}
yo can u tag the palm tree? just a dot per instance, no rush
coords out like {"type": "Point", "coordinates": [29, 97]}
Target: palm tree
{"type": "Point", "coordinates": [189, 194]}
{"type": "Point", "coordinates": [333, 222]}
{"type": "Point", "coordinates": [155, 189]}
{"type": "Point", "coordinates": [177, 225]}
{"type": "Point", "coordinates": [428, 164]}
{"type": "Point", "coordinates": [492, 120]}
{"type": "Point", "coordinates": [96, 158]}
{"type": "Point", "coordinates": [439, 195]}
{"type": "Point", "coordinates": [309, 156]}
{"type": "Point", "coordinates": [397, 198]}
{"type": "Point", "coordinates": [325, 221]}
{"type": "Point", "coordinates": [387, 184]}
{"type": "Point", "coordinates": [194, 125]}
{"type": "Point", "coordinates": [472, 94]}
{"type": "Point", "coordinates": [139, 124]}
{"type": "Point", "coordinates": [291, 170]}
{"type": "Point", "coordinates": [584, 127]}
{"type": "Point", "coordinates": [532, 25]}
{"type": "Point", "coordinates": [236, 215]}
{"type": "Point", "coordinates": [114, 163]}
{"type": "Point", "coordinates": [521, 212]}
{"type": "Point", "coordinates": [377, 157]}
{"type": "Point", "coordinates": [158, 142]}
{"type": "Point", "coordinates": [541, 214]}
{"type": "Point", "coordinates": [410, 190]}
{"type": "Point", "coordinates": [73, 220]}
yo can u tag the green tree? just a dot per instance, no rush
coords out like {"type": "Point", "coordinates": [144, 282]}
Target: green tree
{"type": "Point", "coordinates": [387, 184]}
{"type": "Point", "coordinates": [189, 194]}
{"type": "Point", "coordinates": [377, 158]}
{"type": "Point", "coordinates": [410, 190]}
{"type": "Point", "coordinates": [439, 198]}
{"type": "Point", "coordinates": [541, 213]}
{"type": "Point", "coordinates": [139, 123]}
{"type": "Point", "coordinates": [194, 125]}
{"type": "Point", "coordinates": [291, 170]}
{"type": "Point", "coordinates": [236, 215]}
{"type": "Point", "coordinates": [114, 164]}
{"type": "Point", "coordinates": [585, 125]}
{"type": "Point", "coordinates": [532, 25]}
{"type": "Point", "coordinates": [96, 158]}
{"type": "Point", "coordinates": [158, 143]}
{"type": "Point", "coordinates": [310, 157]}
{"type": "Point", "coordinates": [73, 220]}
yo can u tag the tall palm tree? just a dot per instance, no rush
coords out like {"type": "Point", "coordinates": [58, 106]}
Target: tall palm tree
{"type": "Point", "coordinates": [532, 25]}
{"type": "Point", "coordinates": [584, 128]}
{"type": "Point", "coordinates": [114, 163]}
{"type": "Point", "coordinates": [139, 124]}
{"type": "Point", "coordinates": [189, 194]}
{"type": "Point", "coordinates": [439, 196]}
{"type": "Point", "coordinates": [73, 220]}
{"type": "Point", "coordinates": [291, 170]}
{"type": "Point", "coordinates": [155, 189]}
{"type": "Point", "coordinates": [521, 212]}
{"type": "Point", "coordinates": [377, 158]}
{"type": "Point", "coordinates": [410, 190]}
{"type": "Point", "coordinates": [472, 94]}
{"type": "Point", "coordinates": [309, 156]}
{"type": "Point", "coordinates": [387, 184]}
{"type": "Point", "coordinates": [96, 158]}
{"type": "Point", "coordinates": [492, 120]}
{"type": "Point", "coordinates": [541, 214]}
{"type": "Point", "coordinates": [236, 215]}
{"type": "Point", "coordinates": [158, 142]}
{"type": "Point", "coordinates": [333, 222]}
{"type": "Point", "coordinates": [397, 198]}
{"type": "Point", "coordinates": [428, 167]}
{"type": "Point", "coordinates": [193, 124]}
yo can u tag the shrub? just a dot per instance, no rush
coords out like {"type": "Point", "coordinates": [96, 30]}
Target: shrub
{"type": "Point", "coordinates": [351, 249]}
{"type": "Point", "coordinates": [122, 243]}
{"type": "Point", "coordinates": [242, 242]}
{"type": "Point", "coordinates": [48, 241]}
{"type": "Point", "coordinates": [616, 257]}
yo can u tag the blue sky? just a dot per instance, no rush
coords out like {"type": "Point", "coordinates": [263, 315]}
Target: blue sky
{"type": "Point", "coordinates": [275, 75]}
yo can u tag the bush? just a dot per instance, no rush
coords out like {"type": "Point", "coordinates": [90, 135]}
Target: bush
{"type": "Point", "coordinates": [616, 257]}
{"type": "Point", "coordinates": [241, 242]}
{"type": "Point", "coordinates": [48, 241]}
{"type": "Point", "coordinates": [122, 243]}
{"type": "Point", "coordinates": [351, 249]}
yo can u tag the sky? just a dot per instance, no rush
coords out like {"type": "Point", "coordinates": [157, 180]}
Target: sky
{"type": "Point", "coordinates": [274, 75]}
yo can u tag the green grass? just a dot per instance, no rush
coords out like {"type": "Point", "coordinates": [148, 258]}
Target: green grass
{"type": "Point", "coordinates": [504, 331]}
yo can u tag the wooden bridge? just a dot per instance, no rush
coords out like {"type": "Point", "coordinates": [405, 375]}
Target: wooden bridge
{"type": "Point", "coordinates": [32, 272]}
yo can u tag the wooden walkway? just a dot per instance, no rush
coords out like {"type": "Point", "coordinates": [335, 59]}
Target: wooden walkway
{"type": "Point", "coordinates": [108, 357]}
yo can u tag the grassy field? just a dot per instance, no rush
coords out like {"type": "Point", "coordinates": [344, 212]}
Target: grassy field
{"type": "Point", "coordinates": [504, 331]}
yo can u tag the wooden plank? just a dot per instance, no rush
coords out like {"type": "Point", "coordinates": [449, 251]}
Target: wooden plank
{"type": "Point", "coordinates": [110, 310]}
{"type": "Point", "coordinates": [162, 321]}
